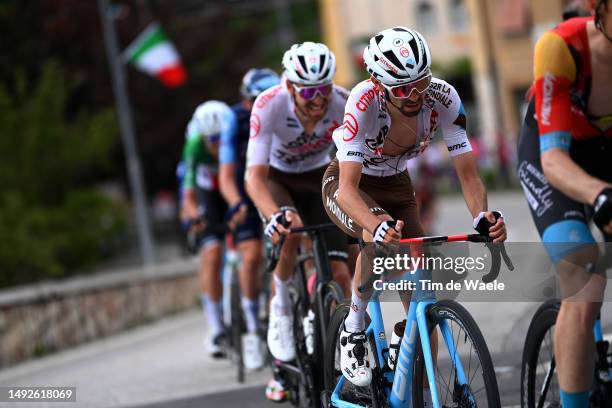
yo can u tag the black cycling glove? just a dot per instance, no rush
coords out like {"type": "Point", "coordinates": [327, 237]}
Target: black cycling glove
{"type": "Point", "coordinates": [602, 208]}
{"type": "Point", "coordinates": [482, 225]}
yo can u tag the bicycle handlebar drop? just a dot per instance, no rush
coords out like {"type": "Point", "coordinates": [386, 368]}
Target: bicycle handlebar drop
{"type": "Point", "coordinates": [274, 253]}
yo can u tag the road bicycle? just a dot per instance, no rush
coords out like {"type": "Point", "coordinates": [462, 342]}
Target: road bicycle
{"type": "Point", "coordinates": [539, 384]}
{"type": "Point", "coordinates": [303, 377]}
{"type": "Point", "coordinates": [460, 374]}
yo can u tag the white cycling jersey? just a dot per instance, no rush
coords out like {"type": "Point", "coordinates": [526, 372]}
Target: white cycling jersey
{"type": "Point", "coordinates": [278, 139]}
{"type": "Point", "coordinates": [366, 124]}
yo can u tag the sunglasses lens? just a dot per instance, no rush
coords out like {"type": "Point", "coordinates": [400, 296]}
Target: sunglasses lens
{"type": "Point", "coordinates": [307, 93]}
{"type": "Point", "coordinates": [311, 91]}
{"type": "Point", "coordinates": [404, 91]}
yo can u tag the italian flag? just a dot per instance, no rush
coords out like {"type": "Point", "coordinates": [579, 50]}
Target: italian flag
{"type": "Point", "coordinates": [154, 54]}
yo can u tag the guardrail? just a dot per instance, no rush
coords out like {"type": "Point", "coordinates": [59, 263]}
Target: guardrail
{"type": "Point", "coordinates": [41, 318]}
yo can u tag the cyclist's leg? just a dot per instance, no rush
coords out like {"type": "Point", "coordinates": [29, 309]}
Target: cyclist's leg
{"type": "Point", "coordinates": [280, 327]}
{"type": "Point", "coordinates": [309, 204]}
{"type": "Point", "coordinates": [286, 262]}
{"type": "Point", "coordinates": [212, 208]}
{"type": "Point", "coordinates": [354, 347]}
{"type": "Point", "coordinates": [248, 242]}
{"type": "Point", "coordinates": [247, 237]}
{"type": "Point", "coordinates": [562, 225]}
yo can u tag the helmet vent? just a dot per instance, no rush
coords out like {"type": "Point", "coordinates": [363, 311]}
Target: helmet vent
{"type": "Point", "coordinates": [324, 75]}
{"type": "Point", "coordinates": [415, 49]}
{"type": "Point", "coordinates": [391, 57]}
{"type": "Point", "coordinates": [302, 63]}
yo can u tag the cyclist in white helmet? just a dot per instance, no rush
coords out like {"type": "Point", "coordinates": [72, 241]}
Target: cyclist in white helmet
{"type": "Point", "coordinates": [389, 119]}
{"type": "Point", "coordinates": [289, 148]}
{"type": "Point", "coordinates": [202, 199]}
{"type": "Point", "coordinates": [242, 216]}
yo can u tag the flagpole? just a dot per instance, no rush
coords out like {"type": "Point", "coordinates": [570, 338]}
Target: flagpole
{"type": "Point", "coordinates": [127, 134]}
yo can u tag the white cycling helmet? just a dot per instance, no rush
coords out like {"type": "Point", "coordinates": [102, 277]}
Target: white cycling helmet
{"type": "Point", "coordinates": [397, 55]}
{"type": "Point", "coordinates": [309, 63]}
{"type": "Point", "coordinates": [209, 117]}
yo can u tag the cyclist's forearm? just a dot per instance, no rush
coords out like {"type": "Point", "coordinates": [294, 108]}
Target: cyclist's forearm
{"type": "Point", "coordinates": [473, 189]}
{"type": "Point", "coordinates": [257, 190]}
{"type": "Point", "coordinates": [351, 202]}
{"type": "Point", "coordinates": [190, 204]}
{"type": "Point", "coordinates": [474, 193]}
{"type": "Point", "coordinates": [564, 174]}
{"type": "Point", "coordinates": [227, 184]}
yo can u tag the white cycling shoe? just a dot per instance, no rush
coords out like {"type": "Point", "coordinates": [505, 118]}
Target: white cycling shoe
{"type": "Point", "coordinates": [355, 358]}
{"type": "Point", "coordinates": [280, 336]}
{"type": "Point", "coordinates": [214, 345]}
{"type": "Point", "coordinates": [251, 351]}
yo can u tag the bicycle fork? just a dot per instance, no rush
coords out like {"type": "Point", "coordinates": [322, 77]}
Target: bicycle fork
{"type": "Point", "coordinates": [401, 392]}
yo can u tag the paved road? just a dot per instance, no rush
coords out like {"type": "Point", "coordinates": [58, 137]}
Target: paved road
{"type": "Point", "coordinates": [162, 364]}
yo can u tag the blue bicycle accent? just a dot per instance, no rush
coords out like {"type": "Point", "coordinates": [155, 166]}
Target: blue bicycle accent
{"type": "Point", "coordinates": [400, 393]}
{"type": "Point", "coordinates": [425, 317]}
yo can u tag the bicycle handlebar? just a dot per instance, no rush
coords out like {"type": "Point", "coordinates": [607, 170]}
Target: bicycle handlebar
{"type": "Point", "coordinates": [274, 255]}
{"type": "Point", "coordinates": [497, 250]}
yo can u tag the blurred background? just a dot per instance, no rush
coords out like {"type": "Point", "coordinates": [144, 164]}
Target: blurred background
{"type": "Point", "coordinates": [71, 182]}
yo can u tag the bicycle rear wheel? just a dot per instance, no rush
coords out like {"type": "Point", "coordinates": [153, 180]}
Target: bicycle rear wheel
{"type": "Point", "coordinates": [480, 388]}
{"type": "Point", "coordinates": [539, 383]}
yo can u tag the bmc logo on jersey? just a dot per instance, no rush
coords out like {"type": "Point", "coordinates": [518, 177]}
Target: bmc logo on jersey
{"type": "Point", "coordinates": [457, 146]}
{"type": "Point", "coordinates": [351, 127]}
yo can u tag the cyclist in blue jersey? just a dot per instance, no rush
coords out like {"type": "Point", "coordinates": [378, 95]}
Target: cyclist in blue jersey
{"type": "Point", "coordinates": [242, 215]}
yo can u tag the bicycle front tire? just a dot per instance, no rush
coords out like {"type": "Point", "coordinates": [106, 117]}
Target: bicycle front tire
{"type": "Point", "coordinates": [541, 325]}
{"type": "Point", "coordinates": [460, 395]}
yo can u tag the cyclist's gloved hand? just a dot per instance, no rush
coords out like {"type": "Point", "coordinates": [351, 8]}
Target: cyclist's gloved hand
{"type": "Point", "coordinates": [483, 225]}
{"type": "Point", "coordinates": [602, 210]}
{"type": "Point", "coordinates": [236, 214]}
{"type": "Point", "coordinates": [382, 229]}
{"type": "Point", "coordinates": [277, 219]}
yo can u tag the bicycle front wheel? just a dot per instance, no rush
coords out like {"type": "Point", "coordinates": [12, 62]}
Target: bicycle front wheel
{"type": "Point", "coordinates": [463, 370]}
{"type": "Point", "coordinates": [539, 383]}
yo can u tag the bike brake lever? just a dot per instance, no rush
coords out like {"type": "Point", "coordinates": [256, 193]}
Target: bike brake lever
{"type": "Point", "coordinates": [498, 251]}
{"type": "Point", "coordinates": [506, 258]}
{"type": "Point", "coordinates": [495, 263]}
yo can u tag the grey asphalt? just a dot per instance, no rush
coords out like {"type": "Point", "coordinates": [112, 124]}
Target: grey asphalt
{"type": "Point", "coordinates": [163, 364]}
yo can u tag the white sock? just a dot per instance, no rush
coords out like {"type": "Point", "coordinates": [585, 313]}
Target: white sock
{"type": "Point", "coordinates": [281, 301]}
{"type": "Point", "coordinates": [213, 314]}
{"type": "Point", "coordinates": [250, 309]}
{"type": "Point", "coordinates": [355, 321]}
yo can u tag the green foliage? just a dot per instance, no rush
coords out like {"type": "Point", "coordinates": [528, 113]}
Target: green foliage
{"type": "Point", "coordinates": [50, 224]}
{"type": "Point", "coordinates": [459, 67]}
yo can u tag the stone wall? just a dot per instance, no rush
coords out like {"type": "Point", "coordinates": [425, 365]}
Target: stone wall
{"type": "Point", "coordinates": [42, 318]}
